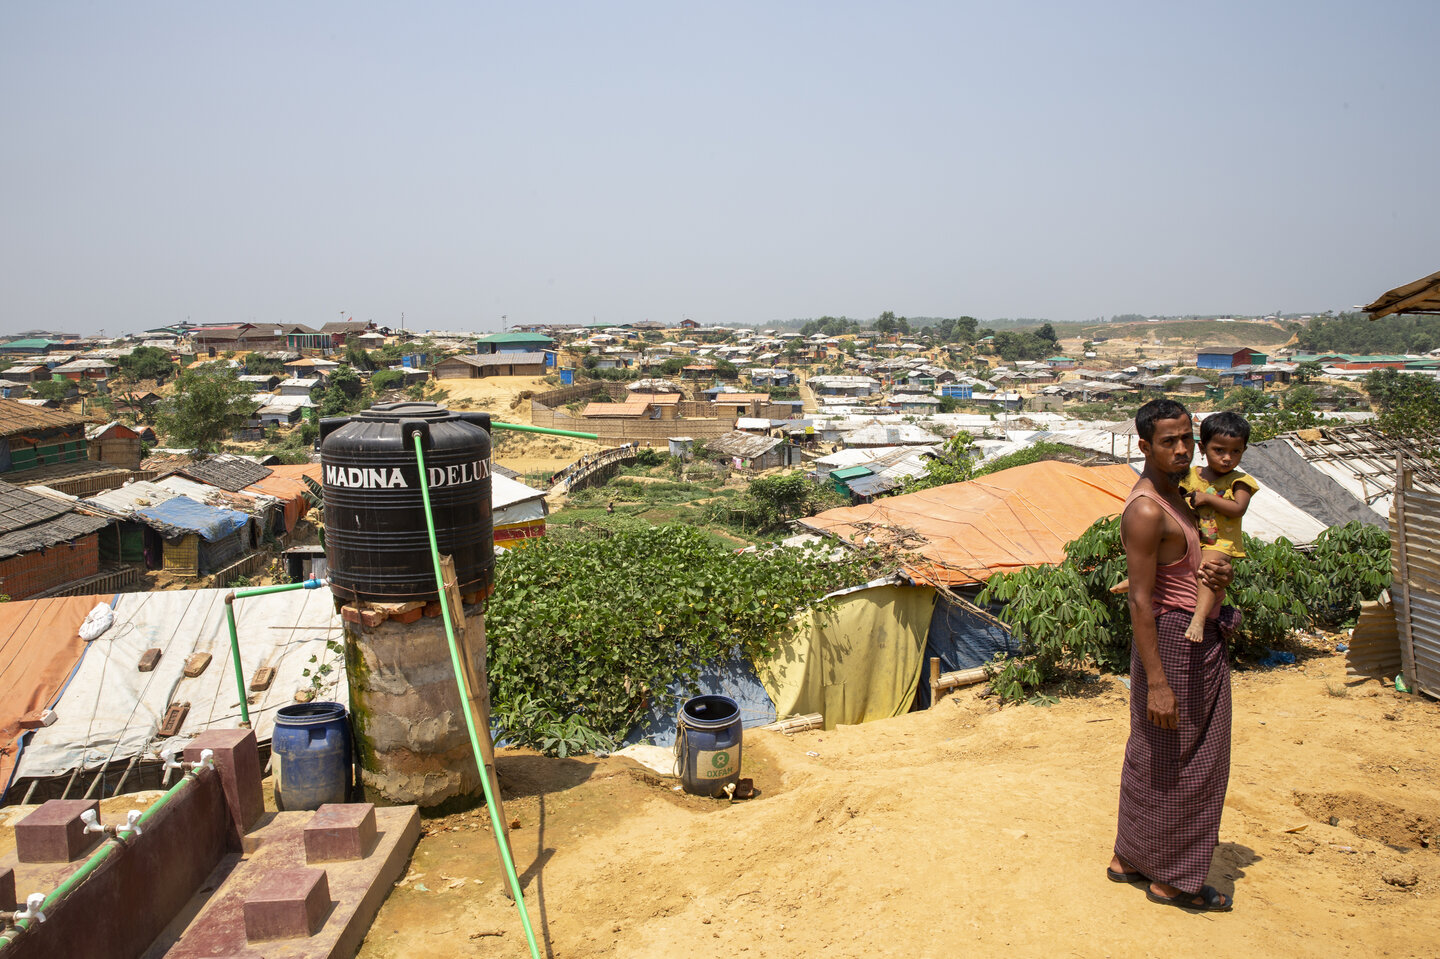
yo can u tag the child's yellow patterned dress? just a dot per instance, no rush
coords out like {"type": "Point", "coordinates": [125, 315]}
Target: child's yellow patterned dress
{"type": "Point", "coordinates": [1217, 531]}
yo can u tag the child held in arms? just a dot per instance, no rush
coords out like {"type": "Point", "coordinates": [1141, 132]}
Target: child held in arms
{"type": "Point", "coordinates": [1219, 493]}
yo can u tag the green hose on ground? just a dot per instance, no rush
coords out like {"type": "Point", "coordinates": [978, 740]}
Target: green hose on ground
{"type": "Point", "coordinates": [455, 664]}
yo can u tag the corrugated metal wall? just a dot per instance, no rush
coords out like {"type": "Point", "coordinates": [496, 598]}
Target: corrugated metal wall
{"type": "Point", "coordinates": [1415, 554]}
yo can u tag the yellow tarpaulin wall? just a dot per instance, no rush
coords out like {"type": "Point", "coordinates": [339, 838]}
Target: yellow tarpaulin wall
{"type": "Point", "coordinates": [858, 661]}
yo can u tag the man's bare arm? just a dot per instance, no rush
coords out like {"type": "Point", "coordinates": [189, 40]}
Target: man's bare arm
{"type": "Point", "coordinates": [1142, 528]}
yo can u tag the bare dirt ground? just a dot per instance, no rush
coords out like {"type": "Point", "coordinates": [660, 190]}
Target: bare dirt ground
{"type": "Point", "coordinates": [962, 830]}
{"type": "Point", "coordinates": [503, 397]}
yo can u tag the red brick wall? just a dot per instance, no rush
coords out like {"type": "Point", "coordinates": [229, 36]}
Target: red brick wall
{"type": "Point", "coordinates": [36, 571]}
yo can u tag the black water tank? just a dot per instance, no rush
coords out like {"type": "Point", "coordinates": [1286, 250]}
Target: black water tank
{"type": "Point", "coordinates": [375, 538]}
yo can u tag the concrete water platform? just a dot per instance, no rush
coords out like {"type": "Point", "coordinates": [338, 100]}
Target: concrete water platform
{"type": "Point", "coordinates": [214, 922]}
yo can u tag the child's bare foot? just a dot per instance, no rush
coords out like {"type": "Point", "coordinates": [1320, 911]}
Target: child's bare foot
{"type": "Point", "coordinates": [1121, 587]}
{"type": "Point", "coordinates": [1195, 632]}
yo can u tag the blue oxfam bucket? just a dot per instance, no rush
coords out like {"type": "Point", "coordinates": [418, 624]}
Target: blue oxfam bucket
{"type": "Point", "coordinates": [311, 746]}
{"type": "Point", "coordinates": [707, 744]}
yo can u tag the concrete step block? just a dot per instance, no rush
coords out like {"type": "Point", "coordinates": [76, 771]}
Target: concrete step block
{"type": "Point", "coordinates": [287, 904]}
{"type": "Point", "coordinates": [54, 832]}
{"type": "Point", "coordinates": [340, 831]}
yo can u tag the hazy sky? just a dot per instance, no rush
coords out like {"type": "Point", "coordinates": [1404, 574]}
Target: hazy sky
{"type": "Point", "coordinates": [735, 163]}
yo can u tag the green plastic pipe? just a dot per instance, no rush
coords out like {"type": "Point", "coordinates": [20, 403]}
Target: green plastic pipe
{"type": "Point", "coordinates": [455, 664]}
{"type": "Point", "coordinates": [230, 598]}
{"type": "Point", "coordinates": [95, 861]}
{"type": "Point", "coordinates": [544, 429]}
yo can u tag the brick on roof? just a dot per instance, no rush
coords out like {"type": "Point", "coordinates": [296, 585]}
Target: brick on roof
{"type": "Point", "coordinates": [17, 418]}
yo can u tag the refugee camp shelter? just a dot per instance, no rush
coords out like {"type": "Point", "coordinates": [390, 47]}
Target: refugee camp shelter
{"type": "Point", "coordinates": [965, 532]}
{"type": "Point", "coordinates": [517, 511]}
{"type": "Point", "coordinates": [114, 443]}
{"type": "Point", "coordinates": [110, 713]}
{"type": "Point", "coordinates": [45, 543]}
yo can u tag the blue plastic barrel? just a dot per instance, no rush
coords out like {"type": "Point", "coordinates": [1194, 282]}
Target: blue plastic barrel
{"type": "Point", "coordinates": [707, 741]}
{"type": "Point", "coordinates": [311, 747]}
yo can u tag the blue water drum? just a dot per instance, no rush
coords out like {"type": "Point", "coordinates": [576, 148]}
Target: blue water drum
{"type": "Point", "coordinates": [708, 743]}
{"type": "Point", "coordinates": [311, 747]}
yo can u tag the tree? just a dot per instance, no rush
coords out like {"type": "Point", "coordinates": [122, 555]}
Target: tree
{"type": "Point", "coordinates": [208, 404]}
{"type": "Point", "coordinates": [1047, 333]}
{"type": "Point", "coordinates": [953, 463]}
{"type": "Point", "coordinates": [257, 364]}
{"type": "Point", "coordinates": [342, 396]}
{"type": "Point", "coordinates": [356, 357]}
{"type": "Point", "coordinates": [383, 380]}
{"type": "Point", "coordinates": [1408, 403]}
{"type": "Point", "coordinates": [1307, 371]}
{"type": "Point", "coordinates": [1247, 401]}
{"type": "Point", "coordinates": [885, 325]}
{"type": "Point", "coordinates": [54, 390]}
{"type": "Point", "coordinates": [147, 363]}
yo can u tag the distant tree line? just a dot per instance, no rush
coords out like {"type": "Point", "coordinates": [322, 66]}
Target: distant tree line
{"type": "Point", "coordinates": [1355, 333]}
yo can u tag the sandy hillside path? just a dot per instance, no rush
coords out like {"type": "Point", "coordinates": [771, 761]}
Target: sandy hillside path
{"type": "Point", "coordinates": [958, 831]}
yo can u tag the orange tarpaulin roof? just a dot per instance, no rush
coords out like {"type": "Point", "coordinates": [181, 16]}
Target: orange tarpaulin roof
{"type": "Point", "coordinates": [286, 483]}
{"type": "Point", "coordinates": [39, 646]}
{"type": "Point", "coordinates": [964, 532]}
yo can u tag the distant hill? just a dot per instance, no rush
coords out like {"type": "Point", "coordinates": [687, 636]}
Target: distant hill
{"type": "Point", "coordinates": [1198, 332]}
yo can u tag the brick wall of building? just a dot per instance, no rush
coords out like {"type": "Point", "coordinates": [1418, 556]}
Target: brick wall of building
{"type": "Point", "coordinates": [39, 570]}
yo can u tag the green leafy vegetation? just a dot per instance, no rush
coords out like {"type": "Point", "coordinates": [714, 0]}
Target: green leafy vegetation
{"type": "Point", "coordinates": [1066, 617]}
{"type": "Point", "coordinates": [770, 503]}
{"type": "Point", "coordinates": [594, 629]}
{"type": "Point", "coordinates": [1356, 333]}
{"type": "Point", "coordinates": [1407, 404]}
{"type": "Point", "coordinates": [208, 403]}
{"type": "Point", "coordinates": [53, 390]}
{"type": "Point", "coordinates": [953, 463]}
{"type": "Point", "coordinates": [146, 363]}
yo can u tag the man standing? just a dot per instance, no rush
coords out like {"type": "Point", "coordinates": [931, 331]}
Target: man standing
{"type": "Point", "coordinates": [1177, 761]}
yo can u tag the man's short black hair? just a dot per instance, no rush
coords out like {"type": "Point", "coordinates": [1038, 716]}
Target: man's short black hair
{"type": "Point", "coordinates": [1225, 424]}
{"type": "Point", "coordinates": [1154, 411]}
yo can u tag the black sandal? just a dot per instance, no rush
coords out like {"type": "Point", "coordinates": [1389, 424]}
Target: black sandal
{"type": "Point", "coordinates": [1125, 877]}
{"type": "Point", "coordinates": [1214, 900]}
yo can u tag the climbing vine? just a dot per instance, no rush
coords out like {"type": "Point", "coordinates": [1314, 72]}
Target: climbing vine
{"type": "Point", "coordinates": [582, 634]}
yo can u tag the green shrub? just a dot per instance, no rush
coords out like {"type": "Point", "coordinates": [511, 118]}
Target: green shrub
{"type": "Point", "coordinates": [1065, 616]}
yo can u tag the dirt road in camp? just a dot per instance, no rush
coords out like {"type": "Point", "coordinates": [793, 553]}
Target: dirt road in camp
{"type": "Point", "coordinates": [958, 831]}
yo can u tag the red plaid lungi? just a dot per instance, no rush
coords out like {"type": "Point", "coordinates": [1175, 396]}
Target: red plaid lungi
{"type": "Point", "coordinates": [1172, 788]}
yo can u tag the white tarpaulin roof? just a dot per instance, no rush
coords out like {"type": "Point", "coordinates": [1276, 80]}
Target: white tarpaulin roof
{"type": "Point", "coordinates": [111, 711]}
{"type": "Point", "coordinates": [511, 501]}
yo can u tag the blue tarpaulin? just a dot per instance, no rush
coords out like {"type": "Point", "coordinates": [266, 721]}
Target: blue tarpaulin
{"type": "Point", "coordinates": [963, 640]}
{"type": "Point", "coordinates": [734, 677]}
{"type": "Point", "coordinates": [180, 515]}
